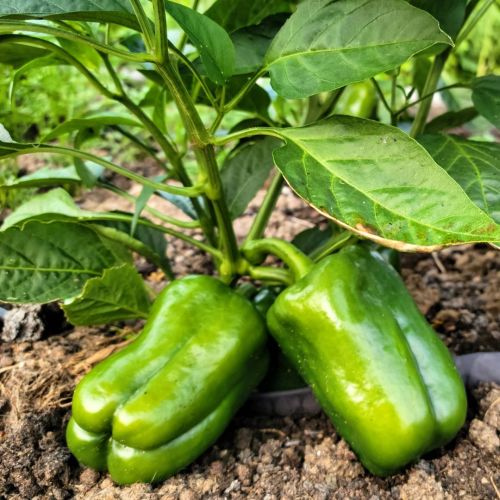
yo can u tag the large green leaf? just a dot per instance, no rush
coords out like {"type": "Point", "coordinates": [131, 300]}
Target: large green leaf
{"type": "Point", "coordinates": [236, 14]}
{"type": "Point", "coordinates": [46, 262]}
{"type": "Point", "coordinates": [486, 97]}
{"type": "Point", "coordinates": [117, 295]}
{"type": "Point", "coordinates": [449, 13]}
{"type": "Point", "coordinates": [212, 41]}
{"type": "Point", "coordinates": [103, 11]}
{"type": "Point", "coordinates": [378, 182]}
{"type": "Point", "coordinates": [326, 45]}
{"type": "Point", "coordinates": [245, 171]}
{"type": "Point", "coordinates": [57, 205]}
{"type": "Point", "coordinates": [474, 165]}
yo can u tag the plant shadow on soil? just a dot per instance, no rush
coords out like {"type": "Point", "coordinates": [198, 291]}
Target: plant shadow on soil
{"type": "Point", "coordinates": [260, 457]}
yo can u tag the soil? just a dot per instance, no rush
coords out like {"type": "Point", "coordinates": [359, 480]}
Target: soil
{"type": "Point", "coordinates": [257, 457]}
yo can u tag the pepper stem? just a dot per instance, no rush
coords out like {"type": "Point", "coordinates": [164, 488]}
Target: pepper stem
{"type": "Point", "coordinates": [298, 262]}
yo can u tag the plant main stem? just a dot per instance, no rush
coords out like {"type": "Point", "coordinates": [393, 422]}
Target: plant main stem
{"type": "Point", "coordinates": [205, 154]}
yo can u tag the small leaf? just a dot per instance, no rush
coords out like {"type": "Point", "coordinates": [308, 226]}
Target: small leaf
{"type": "Point", "coordinates": [474, 165]}
{"type": "Point", "coordinates": [104, 11]}
{"type": "Point", "coordinates": [90, 122]}
{"type": "Point", "coordinates": [325, 45]}
{"type": "Point", "coordinates": [486, 97]}
{"type": "Point", "coordinates": [46, 262]}
{"type": "Point", "coordinates": [212, 41]}
{"type": "Point", "coordinates": [41, 62]}
{"type": "Point", "coordinates": [181, 202]}
{"type": "Point", "coordinates": [236, 14]}
{"type": "Point", "coordinates": [378, 182]}
{"type": "Point", "coordinates": [312, 238]}
{"type": "Point", "coordinates": [118, 294]}
{"type": "Point", "coordinates": [134, 43]}
{"type": "Point", "coordinates": [251, 44]}
{"type": "Point", "coordinates": [85, 54]}
{"type": "Point", "coordinates": [141, 202]}
{"type": "Point", "coordinates": [18, 54]}
{"type": "Point", "coordinates": [46, 177]}
{"type": "Point", "coordinates": [245, 171]}
{"type": "Point", "coordinates": [4, 134]}
{"type": "Point", "coordinates": [450, 119]}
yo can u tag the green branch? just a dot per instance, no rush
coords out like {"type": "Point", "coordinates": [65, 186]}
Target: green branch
{"type": "Point", "coordinates": [156, 213]}
{"type": "Point", "coordinates": [298, 262]}
{"type": "Point", "coordinates": [270, 274]}
{"type": "Point", "coordinates": [136, 246]}
{"type": "Point", "coordinates": [161, 39]}
{"type": "Point", "coordinates": [249, 132]}
{"type": "Point", "coordinates": [266, 209]}
{"type": "Point", "coordinates": [190, 192]}
{"type": "Point", "coordinates": [144, 23]}
{"type": "Point", "coordinates": [9, 27]}
{"type": "Point", "coordinates": [63, 54]}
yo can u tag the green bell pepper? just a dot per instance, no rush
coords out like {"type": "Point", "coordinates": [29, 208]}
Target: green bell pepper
{"type": "Point", "coordinates": [281, 375]}
{"type": "Point", "coordinates": [152, 408]}
{"type": "Point", "coordinates": [353, 332]}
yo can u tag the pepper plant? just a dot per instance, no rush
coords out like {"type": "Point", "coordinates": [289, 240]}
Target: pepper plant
{"type": "Point", "coordinates": [318, 88]}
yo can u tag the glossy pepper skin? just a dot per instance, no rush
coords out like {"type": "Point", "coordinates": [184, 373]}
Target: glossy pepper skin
{"type": "Point", "coordinates": [377, 368]}
{"type": "Point", "coordinates": [152, 408]}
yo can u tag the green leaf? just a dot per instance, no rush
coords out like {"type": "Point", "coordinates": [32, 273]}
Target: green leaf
{"type": "Point", "coordinates": [90, 122]}
{"type": "Point", "coordinates": [378, 182]}
{"type": "Point", "coordinates": [46, 177]}
{"type": "Point", "coordinates": [57, 205]}
{"type": "Point", "coordinates": [181, 202]}
{"type": "Point", "coordinates": [211, 40]}
{"type": "Point", "coordinates": [326, 45]}
{"type": "Point", "coordinates": [159, 115]}
{"type": "Point", "coordinates": [18, 54]}
{"type": "Point", "coordinates": [474, 165]}
{"type": "Point", "coordinates": [103, 11]}
{"type": "Point", "coordinates": [256, 101]}
{"type": "Point", "coordinates": [245, 171]}
{"type": "Point", "coordinates": [486, 97]}
{"type": "Point", "coordinates": [449, 13]}
{"type": "Point", "coordinates": [41, 62]}
{"type": "Point", "coordinates": [450, 119]}
{"type": "Point", "coordinates": [236, 14]}
{"type": "Point", "coordinates": [4, 135]}
{"type": "Point", "coordinates": [85, 54]}
{"type": "Point", "coordinates": [134, 43]}
{"type": "Point", "coordinates": [118, 294]}
{"type": "Point", "coordinates": [46, 262]}
{"type": "Point", "coordinates": [312, 238]}
{"type": "Point", "coordinates": [251, 44]}
{"type": "Point", "coordinates": [150, 236]}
